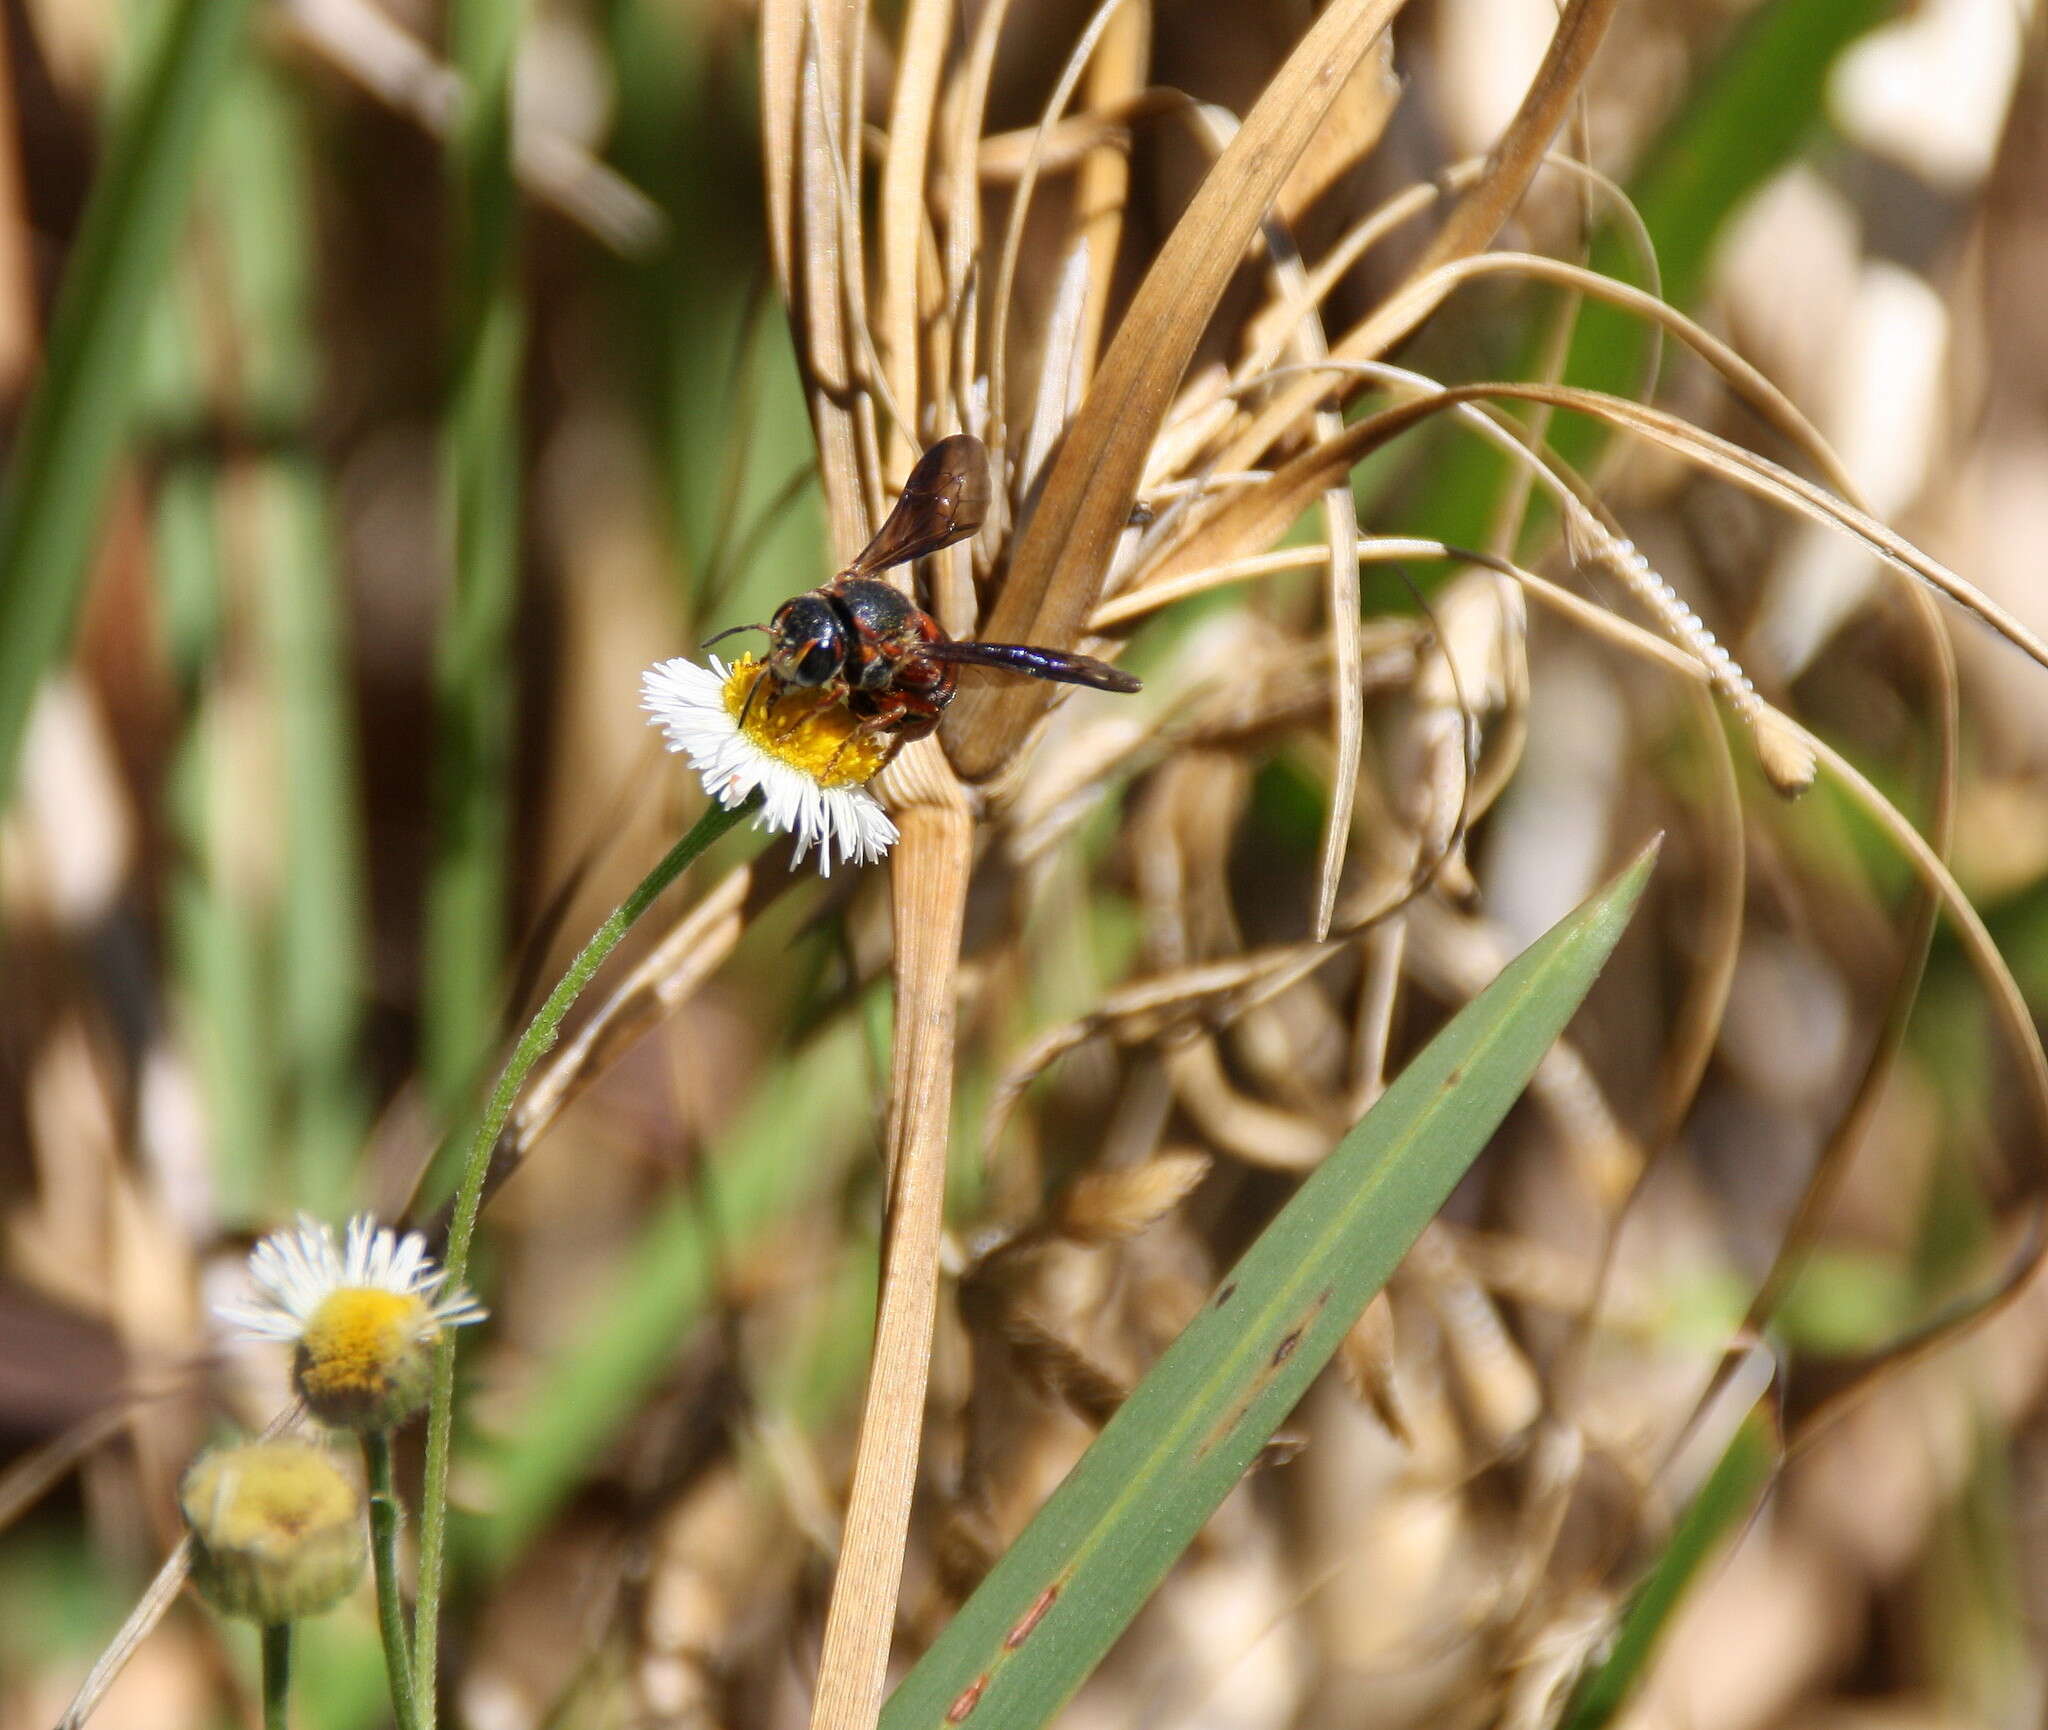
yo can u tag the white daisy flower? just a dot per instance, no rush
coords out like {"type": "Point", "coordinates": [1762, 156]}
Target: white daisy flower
{"type": "Point", "coordinates": [800, 749]}
{"type": "Point", "coordinates": [362, 1319]}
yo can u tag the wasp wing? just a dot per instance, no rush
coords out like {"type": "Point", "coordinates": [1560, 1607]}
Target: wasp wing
{"type": "Point", "coordinates": [943, 501]}
{"type": "Point", "coordinates": [1036, 663]}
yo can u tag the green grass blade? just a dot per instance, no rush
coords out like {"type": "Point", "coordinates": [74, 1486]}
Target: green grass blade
{"type": "Point", "coordinates": [1094, 1553]}
{"type": "Point", "coordinates": [269, 976]}
{"type": "Point", "coordinates": [265, 193]}
{"type": "Point", "coordinates": [78, 413]}
{"type": "Point", "coordinates": [709, 368]}
{"type": "Point", "coordinates": [1724, 1502]}
{"type": "Point", "coordinates": [215, 945]}
{"type": "Point", "coordinates": [466, 895]}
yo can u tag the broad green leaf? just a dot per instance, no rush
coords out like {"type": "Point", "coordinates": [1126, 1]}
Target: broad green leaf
{"type": "Point", "coordinates": [1094, 1553]}
{"type": "Point", "coordinates": [78, 412]}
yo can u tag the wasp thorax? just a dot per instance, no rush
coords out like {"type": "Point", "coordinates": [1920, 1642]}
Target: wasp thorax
{"type": "Point", "coordinates": [808, 643]}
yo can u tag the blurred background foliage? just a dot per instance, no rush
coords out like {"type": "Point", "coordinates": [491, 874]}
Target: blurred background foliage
{"type": "Point", "coordinates": [310, 785]}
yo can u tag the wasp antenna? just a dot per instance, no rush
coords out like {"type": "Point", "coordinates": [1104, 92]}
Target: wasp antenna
{"type": "Point", "coordinates": [733, 632]}
{"type": "Point", "coordinates": [754, 690]}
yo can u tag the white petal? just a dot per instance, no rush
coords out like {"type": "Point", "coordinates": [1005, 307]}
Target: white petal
{"type": "Point", "coordinates": [687, 702]}
{"type": "Point", "coordinates": [296, 1270]}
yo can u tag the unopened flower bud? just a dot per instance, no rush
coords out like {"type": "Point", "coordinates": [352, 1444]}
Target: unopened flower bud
{"type": "Point", "coordinates": [277, 1530]}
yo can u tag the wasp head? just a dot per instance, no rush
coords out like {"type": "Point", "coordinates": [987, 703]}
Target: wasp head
{"type": "Point", "coordinates": [807, 641]}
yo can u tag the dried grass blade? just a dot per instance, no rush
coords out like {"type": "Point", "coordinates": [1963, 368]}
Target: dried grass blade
{"type": "Point", "coordinates": [1696, 1029]}
{"type": "Point", "coordinates": [928, 878]}
{"type": "Point", "coordinates": [1357, 121]}
{"type": "Point", "coordinates": [963, 196]}
{"type": "Point", "coordinates": [1341, 602]}
{"type": "Point", "coordinates": [695, 947]}
{"type": "Point", "coordinates": [1340, 569]}
{"type": "Point", "coordinates": [904, 172]}
{"type": "Point", "coordinates": [1823, 1184]}
{"type": "Point", "coordinates": [1059, 373]}
{"type": "Point", "coordinates": [1512, 164]}
{"type": "Point", "coordinates": [1365, 341]}
{"type": "Point", "coordinates": [782, 1156]}
{"type": "Point", "coordinates": [782, 51]}
{"type": "Point", "coordinates": [1255, 515]}
{"type": "Point", "coordinates": [149, 1610]}
{"type": "Point", "coordinates": [1116, 76]}
{"type": "Point", "coordinates": [998, 333]}
{"type": "Point", "coordinates": [670, 973]}
{"type": "Point", "coordinates": [1768, 480]}
{"type": "Point", "coordinates": [2008, 1002]}
{"type": "Point", "coordinates": [1756, 391]}
{"type": "Point", "coordinates": [30, 1476]}
{"type": "Point", "coordinates": [383, 58]}
{"type": "Point", "coordinates": [1056, 575]}
{"type": "Point", "coordinates": [1064, 147]}
{"type": "Point", "coordinates": [820, 314]}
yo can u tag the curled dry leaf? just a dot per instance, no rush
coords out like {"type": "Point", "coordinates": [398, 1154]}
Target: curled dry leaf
{"type": "Point", "coordinates": [1103, 1207]}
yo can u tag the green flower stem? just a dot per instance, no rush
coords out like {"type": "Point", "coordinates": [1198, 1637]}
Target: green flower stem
{"type": "Point", "coordinates": [277, 1672]}
{"type": "Point", "coordinates": [384, 1521]}
{"type": "Point", "coordinates": [540, 1034]}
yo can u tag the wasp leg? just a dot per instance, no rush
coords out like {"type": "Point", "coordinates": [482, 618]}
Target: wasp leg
{"type": "Point", "coordinates": [870, 724]}
{"type": "Point", "coordinates": [838, 751]}
{"type": "Point", "coordinates": [900, 716]}
{"type": "Point", "coordinates": [832, 691]}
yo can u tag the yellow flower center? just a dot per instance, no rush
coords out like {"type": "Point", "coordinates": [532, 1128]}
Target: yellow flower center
{"type": "Point", "coordinates": [277, 1530]}
{"type": "Point", "coordinates": [811, 730]}
{"type": "Point", "coordinates": [359, 1340]}
{"type": "Point", "coordinates": [263, 1499]}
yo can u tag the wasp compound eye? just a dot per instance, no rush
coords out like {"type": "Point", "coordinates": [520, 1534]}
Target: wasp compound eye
{"type": "Point", "coordinates": [810, 645]}
{"type": "Point", "coordinates": [816, 664]}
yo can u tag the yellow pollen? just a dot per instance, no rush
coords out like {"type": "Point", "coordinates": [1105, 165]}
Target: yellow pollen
{"type": "Point", "coordinates": [810, 730]}
{"type": "Point", "coordinates": [359, 1339]}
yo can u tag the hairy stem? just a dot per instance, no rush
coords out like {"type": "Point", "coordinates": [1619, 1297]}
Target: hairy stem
{"type": "Point", "coordinates": [384, 1523]}
{"type": "Point", "coordinates": [277, 1672]}
{"type": "Point", "coordinates": [533, 1045]}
